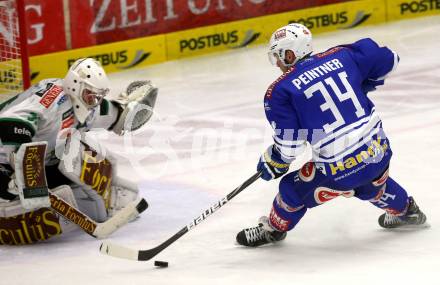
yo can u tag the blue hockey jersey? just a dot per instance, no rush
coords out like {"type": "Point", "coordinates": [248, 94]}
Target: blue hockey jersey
{"type": "Point", "coordinates": [322, 101]}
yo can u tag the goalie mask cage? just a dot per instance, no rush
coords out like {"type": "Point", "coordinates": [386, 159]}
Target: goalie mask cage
{"type": "Point", "coordinates": [14, 60]}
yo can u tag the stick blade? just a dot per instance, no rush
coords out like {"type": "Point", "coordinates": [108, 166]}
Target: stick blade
{"type": "Point", "coordinates": [121, 218]}
{"type": "Point", "coordinates": [118, 251]}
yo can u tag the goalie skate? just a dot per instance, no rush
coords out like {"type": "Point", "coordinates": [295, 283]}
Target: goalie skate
{"type": "Point", "coordinates": [414, 217]}
{"type": "Point", "coordinates": [259, 235]}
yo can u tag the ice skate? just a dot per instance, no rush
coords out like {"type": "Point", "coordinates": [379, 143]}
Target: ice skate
{"type": "Point", "coordinates": [413, 218]}
{"type": "Point", "coordinates": [260, 235]}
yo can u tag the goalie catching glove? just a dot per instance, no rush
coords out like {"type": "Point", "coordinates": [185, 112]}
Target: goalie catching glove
{"type": "Point", "coordinates": [137, 105]}
{"type": "Point", "coordinates": [271, 164]}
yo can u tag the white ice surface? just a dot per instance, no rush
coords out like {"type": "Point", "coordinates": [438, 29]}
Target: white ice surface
{"type": "Point", "coordinates": [209, 134]}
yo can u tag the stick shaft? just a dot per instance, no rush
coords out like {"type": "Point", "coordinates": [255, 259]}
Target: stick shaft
{"type": "Point", "coordinates": [143, 255]}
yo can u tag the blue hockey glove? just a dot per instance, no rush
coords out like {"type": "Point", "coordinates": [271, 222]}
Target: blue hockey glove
{"type": "Point", "coordinates": [272, 165]}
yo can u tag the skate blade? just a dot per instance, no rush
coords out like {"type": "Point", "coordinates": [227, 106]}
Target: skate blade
{"type": "Point", "coordinates": [410, 227]}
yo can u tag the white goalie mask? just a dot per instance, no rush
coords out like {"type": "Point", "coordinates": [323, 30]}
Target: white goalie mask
{"type": "Point", "coordinates": [294, 37]}
{"type": "Point", "coordinates": [87, 84]}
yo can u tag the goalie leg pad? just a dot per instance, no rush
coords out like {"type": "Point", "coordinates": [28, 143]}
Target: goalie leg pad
{"type": "Point", "coordinates": [30, 175]}
{"type": "Point", "coordinates": [89, 165]}
{"type": "Point", "coordinates": [123, 192]}
{"type": "Point", "coordinates": [19, 226]}
{"type": "Point", "coordinates": [90, 203]}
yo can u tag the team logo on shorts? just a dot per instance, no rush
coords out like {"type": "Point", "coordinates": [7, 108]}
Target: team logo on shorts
{"type": "Point", "coordinates": [323, 194]}
{"type": "Point", "coordinates": [307, 172]}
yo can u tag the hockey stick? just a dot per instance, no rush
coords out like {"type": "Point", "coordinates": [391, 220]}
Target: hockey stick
{"type": "Point", "coordinates": [144, 255]}
{"type": "Point", "coordinates": [93, 228]}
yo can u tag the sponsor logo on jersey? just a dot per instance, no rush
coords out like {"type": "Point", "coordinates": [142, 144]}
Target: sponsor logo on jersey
{"type": "Point", "coordinates": [22, 131]}
{"type": "Point", "coordinates": [323, 194]}
{"type": "Point", "coordinates": [68, 122]}
{"type": "Point", "coordinates": [62, 100]}
{"type": "Point", "coordinates": [277, 222]}
{"type": "Point", "coordinates": [419, 6]}
{"type": "Point", "coordinates": [67, 114]}
{"type": "Point", "coordinates": [50, 95]}
{"type": "Point", "coordinates": [374, 151]}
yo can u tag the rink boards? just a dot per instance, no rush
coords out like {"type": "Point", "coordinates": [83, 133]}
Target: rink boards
{"type": "Point", "coordinates": [146, 51]}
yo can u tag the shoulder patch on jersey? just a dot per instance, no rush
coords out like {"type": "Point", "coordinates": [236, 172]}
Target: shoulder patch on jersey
{"type": "Point", "coordinates": [328, 52]}
{"type": "Point", "coordinates": [49, 95]}
{"type": "Point", "coordinates": [14, 131]}
{"type": "Point", "coordinates": [272, 86]}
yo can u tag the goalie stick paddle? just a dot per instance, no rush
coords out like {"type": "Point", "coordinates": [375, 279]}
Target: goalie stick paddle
{"type": "Point", "coordinates": [144, 255]}
{"type": "Point", "coordinates": [93, 228]}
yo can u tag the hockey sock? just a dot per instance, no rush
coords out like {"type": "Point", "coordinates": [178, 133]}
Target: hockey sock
{"type": "Point", "coordinates": [392, 198]}
{"type": "Point", "coordinates": [284, 217]}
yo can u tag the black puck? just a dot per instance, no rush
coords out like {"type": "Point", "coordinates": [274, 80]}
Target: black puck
{"type": "Point", "coordinates": [160, 263]}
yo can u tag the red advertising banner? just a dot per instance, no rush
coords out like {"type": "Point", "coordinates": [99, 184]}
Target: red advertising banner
{"type": "Point", "coordinates": [45, 26]}
{"type": "Point", "coordinates": [89, 23]}
{"type": "Point", "coordinates": [105, 21]}
{"type": "Point", "coordinates": [44, 22]}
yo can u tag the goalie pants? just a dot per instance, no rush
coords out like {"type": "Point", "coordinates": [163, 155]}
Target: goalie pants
{"type": "Point", "coordinates": [309, 187]}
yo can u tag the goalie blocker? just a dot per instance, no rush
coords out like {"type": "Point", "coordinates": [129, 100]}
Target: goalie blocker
{"type": "Point", "coordinates": [42, 213]}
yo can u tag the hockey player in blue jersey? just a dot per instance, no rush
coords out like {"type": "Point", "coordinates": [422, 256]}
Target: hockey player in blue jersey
{"type": "Point", "coordinates": [320, 102]}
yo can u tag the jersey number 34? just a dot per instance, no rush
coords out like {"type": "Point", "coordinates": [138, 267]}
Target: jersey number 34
{"type": "Point", "coordinates": [330, 104]}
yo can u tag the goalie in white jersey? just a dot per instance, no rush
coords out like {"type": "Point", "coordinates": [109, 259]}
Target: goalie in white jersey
{"type": "Point", "coordinates": [60, 112]}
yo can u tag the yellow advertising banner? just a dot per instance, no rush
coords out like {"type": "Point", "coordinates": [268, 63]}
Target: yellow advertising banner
{"type": "Point", "coordinates": [258, 30]}
{"type": "Point", "coordinates": [406, 9]}
{"type": "Point", "coordinates": [214, 38]}
{"type": "Point", "coordinates": [142, 52]}
{"type": "Point", "coordinates": [346, 15]}
{"type": "Point", "coordinates": [117, 56]}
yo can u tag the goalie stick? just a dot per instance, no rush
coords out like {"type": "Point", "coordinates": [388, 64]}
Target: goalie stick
{"type": "Point", "coordinates": [144, 255]}
{"type": "Point", "coordinates": [93, 228]}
